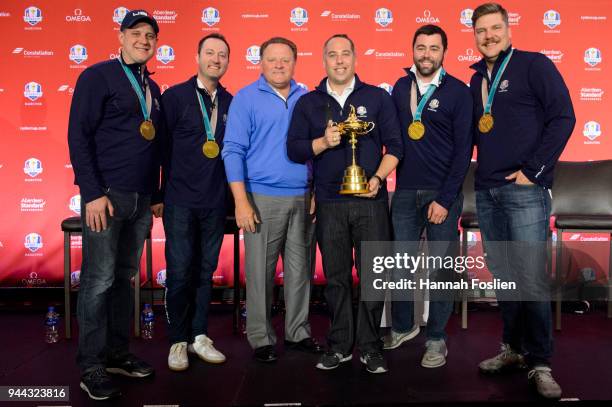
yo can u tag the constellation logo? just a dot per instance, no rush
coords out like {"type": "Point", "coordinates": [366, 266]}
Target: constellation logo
{"type": "Point", "coordinates": [32, 204]}
{"type": "Point", "coordinates": [78, 53]}
{"type": "Point", "coordinates": [341, 17]}
{"type": "Point", "coordinates": [383, 17]}
{"type": "Point", "coordinates": [591, 131]}
{"type": "Point", "coordinates": [32, 15]}
{"type": "Point", "coordinates": [385, 54]}
{"type": "Point", "coordinates": [28, 53]}
{"type": "Point", "coordinates": [32, 167]}
{"type": "Point", "coordinates": [160, 278]}
{"type": "Point", "coordinates": [119, 14]}
{"type": "Point", "coordinates": [78, 17]}
{"type": "Point", "coordinates": [33, 242]}
{"type": "Point", "coordinates": [211, 16]}
{"type": "Point", "coordinates": [427, 18]}
{"type": "Point", "coordinates": [466, 17]}
{"type": "Point", "coordinates": [469, 56]}
{"type": "Point", "coordinates": [552, 19]}
{"type": "Point", "coordinates": [252, 54]}
{"type": "Point", "coordinates": [554, 55]}
{"type": "Point", "coordinates": [75, 204]}
{"type": "Point", "coordinates": [386, 87]}
{"type": "Point", "coordinates": [33, 91]}
{"type": "Point", "coordinates": [65, 88]}
{"type": "Point", "coordinates": [591, 94]}
{"type": "Point", "coordinates": [592, 57]}
{"type": "Point", "coordinates": [299, 16]}
{"type": "Point", "coordinates": [165, 54]}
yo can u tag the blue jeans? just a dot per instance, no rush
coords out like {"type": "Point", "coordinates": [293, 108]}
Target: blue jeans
{"type": "Point", "coordinates": [409, 217]}
{"type": "Point", "coordinates": [110, 259]}
{"type": "Point", "coordinates": [193, 242]}
{"type": "Point", "coordinates": [519, 213]}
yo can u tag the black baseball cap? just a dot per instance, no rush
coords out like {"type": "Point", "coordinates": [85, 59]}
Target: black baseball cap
{"type": "Point", "coordinates": [138, 16]}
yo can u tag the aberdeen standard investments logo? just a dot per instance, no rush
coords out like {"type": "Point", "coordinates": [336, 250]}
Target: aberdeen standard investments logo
{"type": "Point", "coordinates": [211, 16]}
{"type": "Point", "coordinates": [32, 15]}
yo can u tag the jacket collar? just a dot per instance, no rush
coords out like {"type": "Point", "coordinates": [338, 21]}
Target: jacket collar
{"type": "Point", "coordinates": [263, 85]}
{"type": "Point", "coordinates": [193, 81]}
{"type": "Point", "coordinates": [322, 87]}
{"type": "Point", "coordinates": [481, 66]}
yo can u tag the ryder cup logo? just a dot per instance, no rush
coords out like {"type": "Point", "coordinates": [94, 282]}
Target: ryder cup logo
{"type": "Point", "coordinates": [210, 16]}
{"type": "Point", "coordinates": [434, 104]}
{"type": "Point", "coordinates": [466, 17]}
{"type": "Point", "coordinates": [32, 15]}
{"type": "Point", "coordinates": [78, 53]}
{"type": "Point", "coordinates": [32, 91]}
{"type": "Point", "coordinates": [383, 17]}
{"type": "Point", "coordinates": [75, 204]}
{"type": "Point", "coordinates": [299, 16]}
{"type": "Point", "coordinates": [161, 278]}
{"type": "Point", "coordinates": [386, 87]}
{"type": "Point", "coordinates": [32, 167]}
{"type": "Point", "coordinates": [252, 54]}
{"type": "Point", "coordinates": [592, 56]}
{"type": "Point", "coordinates": [75, 278]}
{"type": "Point", "coordinates": [33, 242]}
{"type": "Point", "coordinates": [362, 111]}
{"type": "Point", "coordinates": [165, 54]}
{"type": "Point", "coordinates": [119, 13]}
{"type": "Point", "coordinates": [552, 19]}
{"type": "Point", "coordinates": [591, 130]}
{"type": "Point", "coordinates": [503, 86]}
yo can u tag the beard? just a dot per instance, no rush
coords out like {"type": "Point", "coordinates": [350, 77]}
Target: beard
{"type": "Point", "coordinates": [426, 71]}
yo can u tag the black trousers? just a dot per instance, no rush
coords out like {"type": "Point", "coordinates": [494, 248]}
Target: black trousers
{"type": "Point", "coordinates": [341, 227]}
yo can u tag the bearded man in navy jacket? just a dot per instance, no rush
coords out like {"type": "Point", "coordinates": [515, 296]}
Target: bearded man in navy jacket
{"type": "Point", "coordinates": [429, 181]}
{"type": "Point", "coordinates": [524, 117]}
{"type": "Point", "coordinates": [344, 221]}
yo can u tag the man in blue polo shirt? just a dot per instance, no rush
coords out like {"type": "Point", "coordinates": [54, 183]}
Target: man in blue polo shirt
{"type": "Point", "coordinates": [113, 135]}
{"type": "Point", "coordinates": [194, 210]}
{"type": "Point", "coordinates": [345, 221]}
{"type": "Point", "coordinates": [272, 197]}
{"type": "Point", "coordinates": [435, 111]}
{"type": "Point", "coordinates": [524, 117]}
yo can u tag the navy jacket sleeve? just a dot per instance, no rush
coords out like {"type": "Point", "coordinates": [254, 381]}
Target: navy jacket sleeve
{"type": "Point", "coordinates": [462, 149]}
{"type": "Point", "coordinates": [299, 141]}
{"type": "Point", "coordinates": [559, 118]}
{"type": "Point", "coordinates": [388, 122]}
{"type": "Point", "coordinates": [86, 112]}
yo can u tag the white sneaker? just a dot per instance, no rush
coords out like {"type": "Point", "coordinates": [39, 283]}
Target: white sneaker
{"type": "Point", "coordinates": [203, 347]}
{"type": "Point", "coordinates": [395, 339]}
{"type": "Point", "coordinates": [177, 358]}
{"type": "Point", "coordinates": [506, 360]}
{"type": "Point", "coordinates": [435, 355]}
{"type": "Point", "coordinates": [545, 384]}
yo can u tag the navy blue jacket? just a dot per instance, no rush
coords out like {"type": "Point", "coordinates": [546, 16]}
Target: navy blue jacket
{"type": "Point", "coordinates": [439, 160]}
{"type": "Point", "coordinates": [534, 119]}
{"type": "Point", "coordinates": [106, 148]}
{"type": "Point", "coordinates": [191, 179]}
{"type": "Point", "coordinates": [309, 121]}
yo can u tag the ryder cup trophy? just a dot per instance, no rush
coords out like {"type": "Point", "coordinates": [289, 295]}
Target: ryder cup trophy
{"type": "Point", "coordinates": [354, 180]}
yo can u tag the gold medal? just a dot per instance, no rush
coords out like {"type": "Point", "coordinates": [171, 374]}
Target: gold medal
{"type": "Point", "coordinates": [147, 130]}
{"type": "Point", "coordinates": [210, 149]}
{"type": "Point", "coordinates": [416, 130]}
{"type": "Point", "coordinates": [485, 124]}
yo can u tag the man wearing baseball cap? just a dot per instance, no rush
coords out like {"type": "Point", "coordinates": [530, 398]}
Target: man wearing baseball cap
{"type": "Point", "coordinates": [113, 146]}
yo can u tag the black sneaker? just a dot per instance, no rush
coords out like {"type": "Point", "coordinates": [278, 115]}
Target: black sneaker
{"type": "Point", "coordinates": [98, 385]}
{"type": "Point", "coordinates": [331, 360]}
{"type": "Point", "coordinates": [308, 345]}
{"type": "Point", "coordinates": [129, 366]}
{"type": "Point", "coordinates": [374, 361]}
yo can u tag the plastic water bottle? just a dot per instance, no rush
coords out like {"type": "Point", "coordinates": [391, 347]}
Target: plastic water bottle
{"type": "Point", "coordinates": [148, 321]}
{"type": "Point", "coordinates": [51, 326]}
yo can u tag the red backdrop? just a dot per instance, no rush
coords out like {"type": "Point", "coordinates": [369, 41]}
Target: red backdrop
{"type": "Point", "coordinates": [47, 44]}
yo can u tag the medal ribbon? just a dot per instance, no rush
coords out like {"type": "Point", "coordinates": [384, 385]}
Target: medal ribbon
{"type": "Point", "coordinates": [207, 126]}
{"type": "Point", "coordinates": [418, 111]}
{"type": "Point", "coordinates": [487, 98]}
{"type": "Point", "coordinates": [145, 104]}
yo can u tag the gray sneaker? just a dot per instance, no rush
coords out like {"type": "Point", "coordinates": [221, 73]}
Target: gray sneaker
{"type": "Point", "coordinates": [435, 355]}
{"type": "Point", "coordinates": [395, 339]}
{"type": "Point", "coordinates": [544, 383]}
{"type": "Point", "coordinates": [506, 360]}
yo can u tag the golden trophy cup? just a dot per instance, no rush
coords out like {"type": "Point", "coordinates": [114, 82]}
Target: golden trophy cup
{"type": "Point", "coordinates": [354, 180]}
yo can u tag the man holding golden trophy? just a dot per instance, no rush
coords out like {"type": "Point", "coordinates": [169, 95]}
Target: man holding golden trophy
{"type": "Point", "coordinates": [351, 203]}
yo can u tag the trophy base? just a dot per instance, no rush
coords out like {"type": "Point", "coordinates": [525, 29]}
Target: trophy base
{"type": "Point", "coordinates": [354, 181]}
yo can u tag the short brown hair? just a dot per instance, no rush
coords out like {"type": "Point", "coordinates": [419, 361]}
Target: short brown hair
{"type": "Point", "coordinates": [346, 37]}
{"type": "Point", "coordinates": [489, 8]}
{"type": "Point", "coordinates": [217, 36]}
{"type": "Point", "coordinates": [279, 40]}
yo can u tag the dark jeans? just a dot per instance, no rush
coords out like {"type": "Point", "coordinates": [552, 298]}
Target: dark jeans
{"type": "Point", "coordinates": [106, 297]}
{"type": "Point", "coordinates": [193, 242]}
{"type": "Point", "coordinates": [519, 213]}
{"type": "Point", "coordinates": [341, 227]}
{"type": "Point", "coordinates": [409, 216]}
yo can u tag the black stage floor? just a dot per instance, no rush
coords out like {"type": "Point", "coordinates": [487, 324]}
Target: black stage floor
{"type": "Point", "coordinates": [583, 356]}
